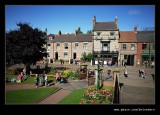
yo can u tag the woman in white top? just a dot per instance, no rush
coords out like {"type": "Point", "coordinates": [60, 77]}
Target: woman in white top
{"type": "Point", "coordinates": [46, 79]}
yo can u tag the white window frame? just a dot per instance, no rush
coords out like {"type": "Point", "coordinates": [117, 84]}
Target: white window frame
{"type": "Point", "coordinates": [132, 46]}
{"type": "Point", "coordinates": [76, 47]}
{"type": "Point", "coordinates": [85, 46]}
{"type": "Point", "coordinates": [65, 56]}
{"type": "Point", "coordinates": [57, 46]}
{"type": "Point", "coordinates": [123, 47]}
{"type": "Point", "coordinates": [65, 45]}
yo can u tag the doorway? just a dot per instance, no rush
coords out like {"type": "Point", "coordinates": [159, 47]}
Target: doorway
{"type": "Point", "coordinates": [56, 55]}
{"type": "Point", "coordinates": [74, 55]}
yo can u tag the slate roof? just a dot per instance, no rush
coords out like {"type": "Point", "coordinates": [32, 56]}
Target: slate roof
{"type": "Point", "coordinates": [127, 36]}
{"type": "Point", "coordinates": [145, 36]}
{"type": "Point", "coordinates": [73, 38]}
{"type": "Point", "coordinates": [105, 26]}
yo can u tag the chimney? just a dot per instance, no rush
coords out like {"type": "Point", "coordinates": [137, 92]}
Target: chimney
{"type": "Point", "coordinates": [59, 33]}
{"type": "Point", "coordinates": [94, 20]}
{"type": "Point", "coordinates": [76, 32]}
{"type": "Point", "coordinates": [116, 21]}
{"type": "Point", "coordinates": [135, 29]}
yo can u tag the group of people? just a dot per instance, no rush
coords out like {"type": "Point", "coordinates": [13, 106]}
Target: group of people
{"type": "Point", "coordinates": [142, 73]}
{"type": "Point", "coordinates": [21, 76]}
{"type": "Point", "coordinates": [42, 81]}
{"type": "Point", "coordinates": [60, 79]}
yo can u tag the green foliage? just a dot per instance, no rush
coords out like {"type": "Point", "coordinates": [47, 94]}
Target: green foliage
{"type": "Point", "coordinates": [89, 57]}
{"type": "Point", "coordinates": [89, 31]}
{"type": "Point", "coordinates": [79, 31]}
{"type": "Point", "coordinates": [83, 57]}
{"type": "Point", "coordinates": [25, 45]}
{"type": "Point", "coordinates": [53, 70]}
{"type": "Point", "coordinates": [73, 75]}
{"type": "Point", "coordinates": [66, 73]}
{"type": "Point", "coordinates": [13, 71]}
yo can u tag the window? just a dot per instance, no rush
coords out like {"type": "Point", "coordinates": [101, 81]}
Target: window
{"type": "Point", "coordinates": [57, 45]}
{"type": "Point", "coordinates": [144, 46]}
{"type": "Point", "coordinates": [112, 35]}
{"type": "Point", "coordinates": [50, 38]}
{"type": "Point", "coordinates": [65, 55]}
{"type": "Point", "coordinates": [76, 46]}
{"type": "Point", "coordinates": [98, 33]}
{"type": "Point", "coordinates": [85, 46]}
{"type": "Point", "coordinates": [65, 45]}
{"type": "Point", "coordinates": [132, 46]}
{"type": "Point", "coordinates": [124, 46]}
{"type": "Point", "coordinates": [105, 47]}
{"type": "Point", "coordinates": [48, 47]}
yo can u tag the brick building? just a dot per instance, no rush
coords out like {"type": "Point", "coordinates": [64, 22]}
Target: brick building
{"type": "Point", "coordinates": [146, 47]}
{"type": "Point", "coordinates": [128, 47]}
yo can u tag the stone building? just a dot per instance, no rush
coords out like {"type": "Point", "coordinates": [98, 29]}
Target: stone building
{"type": "Point", "coordinates": [69, 46]}
{"type": "Point", "coordinates": [105, 41]}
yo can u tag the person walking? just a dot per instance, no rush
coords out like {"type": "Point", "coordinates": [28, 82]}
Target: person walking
{"type": "Point", "coordinates": [125, 73]}
{"type": "Point", "coordinates": [36, 80]}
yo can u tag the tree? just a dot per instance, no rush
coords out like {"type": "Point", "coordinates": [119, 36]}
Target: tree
{"type": "Point", "coordinates": [83, 57]}
{"type": "Point", "coordinates": [25, 45]}
{"type": "Point", "coordinates": [89, 56]}
{"type": "Point", "coordinates": [79, 31]}
{"type": "Point", "coordinates": [89, 31]}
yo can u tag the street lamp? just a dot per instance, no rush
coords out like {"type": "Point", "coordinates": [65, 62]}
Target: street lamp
{"type": "Point", "coordinates": [46, 61]}
{"type": "Point", "coordinates": [98, 80]}
{"type": "Point", "coordinates": [98, 76]}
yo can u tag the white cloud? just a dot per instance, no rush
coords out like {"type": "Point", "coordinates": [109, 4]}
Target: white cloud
{"type": "Point", "coordinates": [133, 12]}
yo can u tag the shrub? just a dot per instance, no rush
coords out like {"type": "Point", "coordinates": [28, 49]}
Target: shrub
{"type": "Point", "coordinates": [53, 70]}
{"type": "Point", "coordinates": [73, 75]}
{"type": "Point", "coordinates": [13, 71]}
{"type": "Point", "coordinates": [66, 73]}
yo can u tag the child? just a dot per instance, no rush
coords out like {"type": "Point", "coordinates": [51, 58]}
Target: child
{"type": "Point", "coordinates": [109, 74]}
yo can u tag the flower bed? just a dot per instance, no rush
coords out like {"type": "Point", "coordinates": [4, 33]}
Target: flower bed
{"type": "Point", "coordinates": [94, 96]}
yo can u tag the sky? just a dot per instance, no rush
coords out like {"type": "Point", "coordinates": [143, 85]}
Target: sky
{"type": "Point", "coordinates": [67, 18]}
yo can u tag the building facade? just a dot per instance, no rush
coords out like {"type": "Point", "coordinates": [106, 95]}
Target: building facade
{"type": "Point", "coordinates": [105, 41]}
{"type": "Point", "coordinates": [128, 47]}
{"type": "Point", "coordinates": [146, 47]}
{"type": "Point", "coordinates": [69, 46]}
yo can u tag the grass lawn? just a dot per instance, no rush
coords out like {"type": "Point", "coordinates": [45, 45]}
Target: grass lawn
{"type": "Point", "coordinates": [76, 95]}
{"type": "Point", "coordinates": [28, 96]}
{"type": "Point", "coordinates": [28, 80]}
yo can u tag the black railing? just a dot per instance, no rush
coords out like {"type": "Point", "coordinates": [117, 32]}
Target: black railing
{"type": "Point", "coordinates": [116, 91]}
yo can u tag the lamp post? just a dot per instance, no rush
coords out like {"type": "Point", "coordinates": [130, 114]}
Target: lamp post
{"type": "Point", "coordinates": [46, 61]}
{"type": "Point", "coordinates": [98, 76]}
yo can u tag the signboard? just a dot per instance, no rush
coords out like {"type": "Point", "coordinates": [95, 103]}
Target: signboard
{"type": "Point", "coordinates": [96, 62]}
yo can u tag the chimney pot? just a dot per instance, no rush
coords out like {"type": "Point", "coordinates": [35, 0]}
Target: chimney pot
{"type": "Point", "coordinates": [135, 29]}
